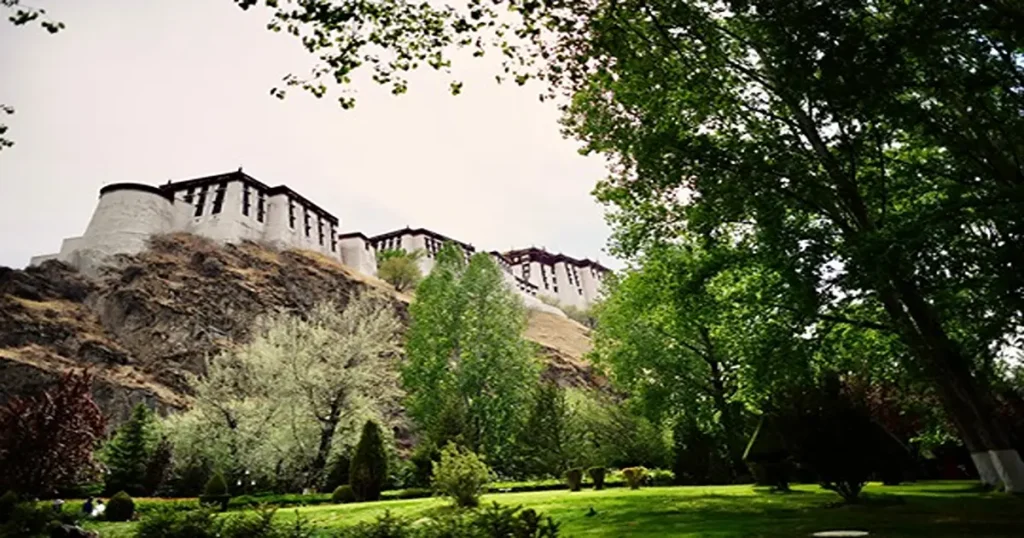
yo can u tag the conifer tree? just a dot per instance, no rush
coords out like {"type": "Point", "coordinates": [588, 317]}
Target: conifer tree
{"type": "Point", "coordinates": [127, 455]}
{"type": "Point", "coordinates": [369, 464]}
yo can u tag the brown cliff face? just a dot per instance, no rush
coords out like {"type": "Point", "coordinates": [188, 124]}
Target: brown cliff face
{"type": "Point", "coordinates": [151, 317]}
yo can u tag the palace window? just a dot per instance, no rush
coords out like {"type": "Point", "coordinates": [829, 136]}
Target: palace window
{"type": "Point", "coordinates": [305, 214]}
{"type": "Point", "coordinates": [202, 200]}
{"type": "Point", "coordinates": [188, 195]}
{"type": "Point", "coordinates": [218, 200]}
{"type": "Point", "coordinates": [261, 205]}
{"type": "Point", "coordinates": [334, 240]}
{"type": "Point", "coordinates": [245, 200]}
{"type": "Point", "coordinates": [291, 214]}
{"type": "Point", "coordinates": [320, 230]}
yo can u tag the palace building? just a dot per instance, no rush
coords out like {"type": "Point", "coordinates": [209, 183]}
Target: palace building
{"type": "Point", "coordinates": [236, 207]}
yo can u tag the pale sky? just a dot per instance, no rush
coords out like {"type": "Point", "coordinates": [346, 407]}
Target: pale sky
{"type": "Point", "coordinates": [148, 91]}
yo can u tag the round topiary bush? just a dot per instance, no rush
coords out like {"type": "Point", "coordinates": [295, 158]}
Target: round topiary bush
{"type": "Point", "coordinates": [216, 492]}
{"type": "Point", "coordinates": [597, 476]}
{"type": "Point", "coordinates": [120, 507]}
{"type": "Point", "coordinates": [343, 494]}
{"type": "Point", "coordinates": [574, 477]}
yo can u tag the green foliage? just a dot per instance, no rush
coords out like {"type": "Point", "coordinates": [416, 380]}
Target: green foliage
{"type": "Point", "coordinates": [597, 475]}
{"type": "Point", "coordinates": [880, 208]}
{"type": "Point", "coordinates": [127, 456]}
{"type": "Point", "coordinates": [343, 494]}
{"type": "Point", "coordinates": [400, 268]}
{"type": "Point", "coordinates": [34, 520]}
{"type": "Point", "coordinates": [216, 492]}
{"type": "Point", "coordinates": [120, 507]}
{"type": "Point", "coordinates": [619, 437]}
{"type": "Point", "coordinates": [338, 470]}
{"type": "Point", "coordinates": [469, 372]}
{"type": "Point", "coordinates": [369, 464]}
{"type": "Point", "coordinates": [554, 437]}
{"type": "Point", "coordinates": [460, 475]}
{"type": "Point", "coordinates": [574, 478]}
{"type": "Point", "coordinates": [634, 476]}
{"type": "Point", "coordinates": [204, 523]}
{"type": "Point", "coordinates": [494, 521]}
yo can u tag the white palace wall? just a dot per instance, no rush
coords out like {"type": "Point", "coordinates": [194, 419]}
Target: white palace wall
{"type": "Point", "coordinates": [234, 207]}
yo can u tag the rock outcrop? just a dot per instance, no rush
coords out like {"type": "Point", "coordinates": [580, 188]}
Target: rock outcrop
{"type": "Point", "coordinates": [147, 319]}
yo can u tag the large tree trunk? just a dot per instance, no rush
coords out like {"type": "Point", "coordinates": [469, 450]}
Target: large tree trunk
{"type": "Point", "coordinates": [966, 402]}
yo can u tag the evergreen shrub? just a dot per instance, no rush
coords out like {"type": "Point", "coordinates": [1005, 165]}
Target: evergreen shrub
{"type": "Point", "coordinates": [343, 494]}
{"type": "Point", "coordinates": [216, 492]}
{"type": "Point", "coordinates": [120, 507]}
{"type": "Point", "coordinates": [369, 467]}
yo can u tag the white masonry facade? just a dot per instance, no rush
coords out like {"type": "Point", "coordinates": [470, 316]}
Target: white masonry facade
{"type": "Point", "coordinates": [235, 207]}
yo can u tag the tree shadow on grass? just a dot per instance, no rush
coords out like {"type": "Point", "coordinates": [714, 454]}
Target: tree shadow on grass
{"type": "Point", "coordinates": [721, 516]}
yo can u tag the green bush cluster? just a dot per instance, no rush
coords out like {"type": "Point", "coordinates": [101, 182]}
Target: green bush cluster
{"type": "Point", "coordinates": [460, 475]}
{"type": "Point", "coordinates": [494, 521]}
{"type": "Point", "coordinates": [204, 523]}
{"type": "Point", "coordinates": [120, 507]}
{"type": "Point", "coordinates": [31, 519]}
{"type": "Point", "coordinates": [343, 494]}
{"type": "Point", "coordinates": [634, 476]}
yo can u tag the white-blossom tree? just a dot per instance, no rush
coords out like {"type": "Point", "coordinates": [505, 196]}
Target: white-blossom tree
{"type": "Point", "coordinates": [279, 406]}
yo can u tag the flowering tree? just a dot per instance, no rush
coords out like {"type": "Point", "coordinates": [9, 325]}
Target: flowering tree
{"type": "Point", "coordinates": [47, 439]}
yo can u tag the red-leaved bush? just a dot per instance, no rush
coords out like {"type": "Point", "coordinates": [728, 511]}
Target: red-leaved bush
{"type": "Point", "coordinates": [47, 439]}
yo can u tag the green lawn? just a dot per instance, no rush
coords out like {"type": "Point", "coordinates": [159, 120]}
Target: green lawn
{"type": "Point", "coordinates": [932, 509]}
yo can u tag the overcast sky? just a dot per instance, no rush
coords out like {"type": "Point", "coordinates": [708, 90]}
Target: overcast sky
{"type": "Point", "coordinates": [148, 91]}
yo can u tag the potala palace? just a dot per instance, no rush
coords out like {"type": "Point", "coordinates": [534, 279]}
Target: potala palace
{"type": "Point", "coordinates": [235, 207]}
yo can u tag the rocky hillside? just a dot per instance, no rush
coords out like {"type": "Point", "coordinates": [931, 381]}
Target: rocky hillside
{"type": "Point", "coordinates": [149, 318]}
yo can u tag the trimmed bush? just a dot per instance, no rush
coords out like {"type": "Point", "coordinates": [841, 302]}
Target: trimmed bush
{"type": "Point", "coordinates": [660, 477]}
{"type": "Point", "coordinates": [461, 476]}
{"type": "Point", "coordinates": [597, 476]}
{"type": "Point", "coordinates": [574, 477]}
{"type": "Point", "coordinates": [216, 492]}
{"type": "Point", "coordinates": [369, 467]}
{"type": "Point", "coordinates": [634, 476]}
{"type": "Point", "coordinates": [343, 494]}
{"type": "Point", "coordinates": [493, 521]}
{"type": "Point", "coordinates": [120, 507]}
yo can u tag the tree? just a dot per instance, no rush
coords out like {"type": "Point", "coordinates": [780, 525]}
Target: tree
{"type": "Point", "coordinates": [757, 125]}
{"type": "Point", "coordinates": [47, 439]}
{"type": "Point", "coordinates": [680, 337]}
{"type": "Point", "coordinates": [553, 439]}
{"type": "Point", "coordinates": [369, 464]}
{"type": "Point", "coordinates": [400, 268]}
{"type": "Point", "coordinates": [128, 454]}
{"type": "Point", "coordinates": [469, 372]}
{"type": "Point", "coordinates": [871, 148]}
{"type": "Point", "coordinates": [279, 407]}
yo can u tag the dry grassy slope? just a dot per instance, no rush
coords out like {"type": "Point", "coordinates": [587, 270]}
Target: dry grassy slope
{"type": "Point", "coordinates": [154, 316]}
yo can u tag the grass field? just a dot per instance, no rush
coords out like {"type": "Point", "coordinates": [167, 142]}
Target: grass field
{"type": "Point", "coordinates": [931, 509]}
